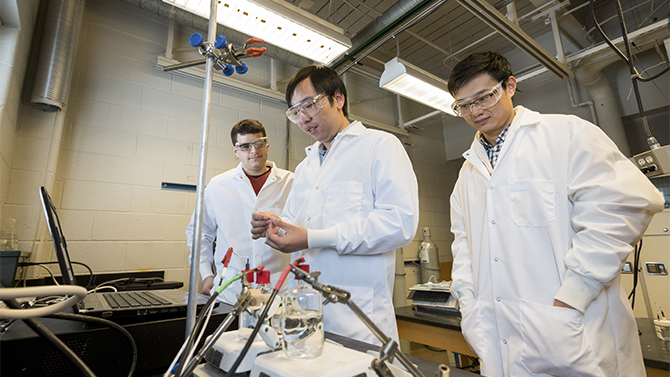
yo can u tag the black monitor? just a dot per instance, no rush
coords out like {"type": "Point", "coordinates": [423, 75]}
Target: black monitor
{"type": "Point", "coordinates": [60, 245]}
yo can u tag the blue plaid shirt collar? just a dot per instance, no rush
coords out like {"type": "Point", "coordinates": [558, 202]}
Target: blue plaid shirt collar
{"type": "Point", "coordinates": [493, 150]}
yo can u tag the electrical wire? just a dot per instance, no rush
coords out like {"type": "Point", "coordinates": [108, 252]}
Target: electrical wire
{"type": "Point", "coordinates": [636, 265]}
{"type": "Point", "coordinates": [101, 287]}
{"type": "Point", "coordinates": [202, 332]}
{"type": "Point", "coordinates": [628, 59]}
{"type": "Point", "coordinates": [90, 271]}
{"type": "Point", "coordinates": [105, 322]}
{"type": "Point", "coordinates": [50, 273]}
{"type": "Point", "coordinates": [76, 292]}
{"type": "Point", "coordinates": [45, 333]}
{"type": "Point", "coordinates": [189, 344]}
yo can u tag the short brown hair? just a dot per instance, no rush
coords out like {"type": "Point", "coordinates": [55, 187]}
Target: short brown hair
{"type": "Point", "coordinates": [246, 126]}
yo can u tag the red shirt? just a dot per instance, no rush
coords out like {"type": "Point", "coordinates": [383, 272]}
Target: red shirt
{"type": "Point", "coordinates": [257, 181]}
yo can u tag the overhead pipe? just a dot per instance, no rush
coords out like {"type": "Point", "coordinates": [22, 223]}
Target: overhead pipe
{"type": "Point", "coordinates": [398, 18]}
{"type": "Point", "coordinates": [52, 74]}
{"type": "Point", "coordinates": [591, 76]}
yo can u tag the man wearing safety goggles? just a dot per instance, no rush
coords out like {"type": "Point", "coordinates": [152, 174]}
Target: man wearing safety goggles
{"type": "Point", "coordinates": [230, 198]}
{"type": "Point", "coordinates": [544, 213]}
{"type": "Point", "coordinates": [354, 201]}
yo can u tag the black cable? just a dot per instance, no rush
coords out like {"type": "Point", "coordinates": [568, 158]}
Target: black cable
{"type": "Point", "coordinates": [257, 328]}
{"type": "Point", "coordinates": [654, 77]}
{"type": "Point", "coordinates": [196, 329]}
{"type": "Point", "coordinates": [602, 33]}
{"type": "Point", "coordinates": [45, 333]}
{"type": "Point", "coordinates": [115, 326]}
{"type": "Point", "coordinates": [636, 265]}
{"type": "Point", "coordinates": [90, 272]}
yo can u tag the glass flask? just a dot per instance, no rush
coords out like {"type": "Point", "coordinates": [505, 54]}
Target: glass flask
{"type": "Point", "coordinates": [302, 321]}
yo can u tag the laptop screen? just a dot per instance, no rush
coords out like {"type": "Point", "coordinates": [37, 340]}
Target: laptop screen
{"type": "Point", "coordinates": [60, 246]}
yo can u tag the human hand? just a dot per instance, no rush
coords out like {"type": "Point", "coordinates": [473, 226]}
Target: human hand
{"type": "Point", "coordinates": [259, 223]}
{"type": "Point", "coordinates": [285, 237]}
{"type": "Point", "coordinates": [207, 285]}
{"type": "Point", "coordinates": [561, 304]}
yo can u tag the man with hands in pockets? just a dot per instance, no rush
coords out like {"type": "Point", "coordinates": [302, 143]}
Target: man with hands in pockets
{"type": "Point", "coordinates": [544, 212]}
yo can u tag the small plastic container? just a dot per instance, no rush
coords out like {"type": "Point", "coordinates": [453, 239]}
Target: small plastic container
{"type": "Point", "coordinates": [302, 321]}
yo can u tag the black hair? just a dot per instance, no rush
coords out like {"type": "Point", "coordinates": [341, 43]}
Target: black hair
{"type": "Point", "coordinates": [480, 62]}
{"type": "Point", "coordinates": [246, 126]}
{"type": "Point", "coordinates": [324, 79]}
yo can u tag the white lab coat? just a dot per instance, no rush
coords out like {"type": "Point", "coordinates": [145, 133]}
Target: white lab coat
{"type": "Point", "coordinates": [556, 218]}
{"type": "Point", "coordinates": [228, 204]}
{"type": "Point", "coordinates": [359, 206]}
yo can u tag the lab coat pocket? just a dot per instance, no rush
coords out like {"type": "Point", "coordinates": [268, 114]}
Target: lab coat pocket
{"type": "Point", "coordinates": [554, 341]}
{"type": "Point", "coordinates": [532, 202]}
{"type": "Point", "coordinates": [343, 202]}
{"type": "Point", "coordinates": [471, 328]}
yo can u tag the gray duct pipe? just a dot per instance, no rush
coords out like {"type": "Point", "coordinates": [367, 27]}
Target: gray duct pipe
{"type": "Point", "coordinates": [396, 19]}
{"type": "Point", "coordinates": [52, 74]}
{"type": "Point", "coordinates": [606, 101]}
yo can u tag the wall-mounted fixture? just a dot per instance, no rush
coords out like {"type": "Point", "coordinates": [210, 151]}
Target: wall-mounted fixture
{"type": "Point", "coordinates": [412, 82]}
{"type": "Point", "coordinates": [278, 23]}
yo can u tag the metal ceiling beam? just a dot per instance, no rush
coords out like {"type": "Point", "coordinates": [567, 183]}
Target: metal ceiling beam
{"type": "Point", "coordinates": [492, 17]}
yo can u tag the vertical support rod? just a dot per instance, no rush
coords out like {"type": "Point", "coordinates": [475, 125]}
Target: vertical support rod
{"type": "Point", "coordinates": [645, 293]}
{"type": "Point", "coordinates": [511, 13]}
{"type": "Point", "coordinates": [170, 40]}
{"type": "Point", "coordinates": [400, 122]}
{"type": "Point", "coordinates": [560, 53]}
{"type": "Point", "coordinates": [202, 169]}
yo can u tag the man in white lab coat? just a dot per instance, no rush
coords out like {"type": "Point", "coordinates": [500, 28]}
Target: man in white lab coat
{"type": "Point", "coordinates": [354, 201]}
{"type": "Point", "coordinates": [256, 184]}
{"type": "Point", "coordinates": [544, 213]}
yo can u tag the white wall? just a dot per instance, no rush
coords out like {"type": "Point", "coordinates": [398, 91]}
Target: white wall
{"type": "Point", "coordinates": [18, 19]}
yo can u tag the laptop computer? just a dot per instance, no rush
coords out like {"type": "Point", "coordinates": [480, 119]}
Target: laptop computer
{"type": "Point", "coordinates": [111, 304]}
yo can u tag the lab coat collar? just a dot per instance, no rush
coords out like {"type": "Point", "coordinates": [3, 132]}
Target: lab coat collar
{"type": "Point", "coordinates": [239, 171]}
{"type": "Point", "coordinates": [477, 156]}
{"type": "Point", "coordinates": [355, 128]}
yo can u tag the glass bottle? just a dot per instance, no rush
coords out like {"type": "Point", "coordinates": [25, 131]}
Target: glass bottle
{"type": "Point", "coordinates": [430, 259]}
{"type": "Point", "coordinates": [302, 321]}
{"type": "Point", "coordinates": [8, 239]}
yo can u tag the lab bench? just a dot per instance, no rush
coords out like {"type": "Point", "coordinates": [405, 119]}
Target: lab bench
{"type": "Point", "coordinates": [107, 352]}
{"type": "Point", "coordinates": [444, 331]}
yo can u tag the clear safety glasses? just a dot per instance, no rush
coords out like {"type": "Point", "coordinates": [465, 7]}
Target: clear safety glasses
{"type": "Point", "coordinates": [310, 108]}
{"type": "Point", "coordinates": [489, 99]}
{"type": "Point", "coordinates": [258, 144]}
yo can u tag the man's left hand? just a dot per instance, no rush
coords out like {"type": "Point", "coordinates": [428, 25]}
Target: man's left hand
{"type": "Point", "coordinates": [294, 237]}
{"type": "Point", "coordinates": [561, 304]}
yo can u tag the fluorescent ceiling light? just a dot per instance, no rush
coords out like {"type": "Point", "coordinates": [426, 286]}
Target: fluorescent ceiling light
{"type": "Point", "coordinates": [278, 23]}
{"type": "Point", "coordinates": [414, 83]}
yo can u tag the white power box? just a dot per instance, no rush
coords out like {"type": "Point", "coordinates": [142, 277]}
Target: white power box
{"type": "Point", "coordinates": [653, 162]}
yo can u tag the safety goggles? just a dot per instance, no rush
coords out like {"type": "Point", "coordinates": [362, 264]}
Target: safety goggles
{"type": "Point", "coordinates": [258, 144]}
{"type": "Point", "coordinates": [488, 99]}
{"type": "Point", "coordinates": [310, 108]}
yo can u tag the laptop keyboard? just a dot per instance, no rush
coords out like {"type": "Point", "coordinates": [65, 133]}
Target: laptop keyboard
{"type": "Point", "coordinates": [119, 300]}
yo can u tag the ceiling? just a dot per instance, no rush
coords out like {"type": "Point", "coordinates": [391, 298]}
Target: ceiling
{"type": "Point", "coordinates": [448, 34]}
